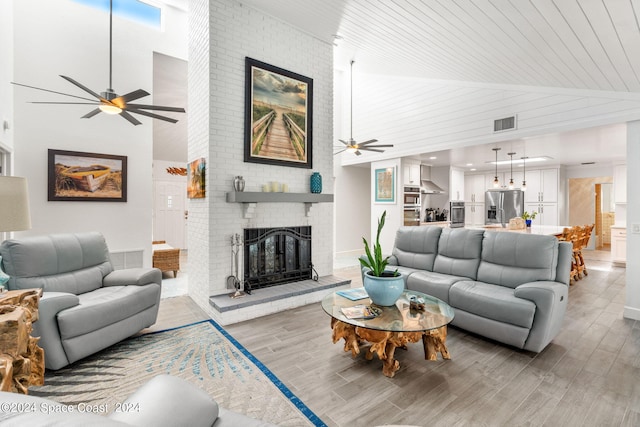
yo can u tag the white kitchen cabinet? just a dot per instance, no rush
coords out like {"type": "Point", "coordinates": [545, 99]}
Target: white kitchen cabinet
{"type": "Point", "coordinates": [542, 186]}
{"type": "Point", "coordinates": [620, 183]}
{"type": "Point", "coordinates": [619, 245]}
{"type": "Point", "coordinates": [456, 184]}
{"type": "Point", "coordinates": [411, 172]}
{"type": "Point", "coordinates": [547, 213]}
{"type": "Point", "coordinates": [474, 214]}
{"type": "Point", "coordinates": [474, 188]}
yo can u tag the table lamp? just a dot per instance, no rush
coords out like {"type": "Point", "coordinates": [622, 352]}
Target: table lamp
{"type": "Point", "coordinates": [14, 210]}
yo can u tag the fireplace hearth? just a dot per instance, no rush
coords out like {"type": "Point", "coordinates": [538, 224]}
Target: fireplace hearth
{"type": "Point", "coordinates": [275, 256]}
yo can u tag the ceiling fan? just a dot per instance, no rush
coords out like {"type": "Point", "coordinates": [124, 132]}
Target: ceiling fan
{"type": "Point", "coordinates": [351, 144]}
{"type": "Point", "coordinates": [109, 101]}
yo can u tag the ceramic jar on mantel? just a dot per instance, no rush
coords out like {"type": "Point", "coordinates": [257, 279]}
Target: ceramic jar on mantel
{"type": "Point", "coordinates": [238, 183]}
{"type": "Point", "coordinates": [315, 182]}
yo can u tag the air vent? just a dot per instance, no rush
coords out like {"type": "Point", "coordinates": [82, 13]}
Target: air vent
{"type": "Point", "coordinates": [507, 123]}
{"type": "Point", "coordinates": [587, 163]}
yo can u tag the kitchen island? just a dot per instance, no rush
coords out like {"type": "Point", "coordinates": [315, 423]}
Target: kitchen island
{"type": "Point", "coordinates": [437, 223]}
{"type": "Point", "coordinates": [547, 230]}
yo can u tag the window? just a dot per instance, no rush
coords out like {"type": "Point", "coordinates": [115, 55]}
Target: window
{"type": "Point", "coordinates": [134, 10]}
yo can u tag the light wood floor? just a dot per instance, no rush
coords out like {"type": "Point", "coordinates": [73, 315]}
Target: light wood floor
{"type": "Point", "coordinates": [588, 376]}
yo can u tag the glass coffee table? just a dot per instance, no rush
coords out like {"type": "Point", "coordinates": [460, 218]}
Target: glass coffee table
{"type": "Point", "coordinates": [392, 327]}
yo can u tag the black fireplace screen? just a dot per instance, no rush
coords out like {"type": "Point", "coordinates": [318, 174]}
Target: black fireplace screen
{"type": "Point", "coordinates": [274, 256]}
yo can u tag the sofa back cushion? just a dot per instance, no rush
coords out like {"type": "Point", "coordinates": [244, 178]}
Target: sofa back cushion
{"type": "Point", "coordinates": [511, 259]}
{"type": "Point", "coordinates": [74, 263]}
{"type": "Point", "coordinates": [459, 252]}
{"type": "Point", "coordinates": [416, 247]}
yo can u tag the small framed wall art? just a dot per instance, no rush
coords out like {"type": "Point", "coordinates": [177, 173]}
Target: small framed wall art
{"type": "Point", "coordinates": [196, 183]}
{"type": "Point", "coordinates": [385, 186]}
{"type": "Point", "coordinates": [86, 177]}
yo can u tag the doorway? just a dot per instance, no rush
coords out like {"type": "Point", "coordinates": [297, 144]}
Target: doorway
{"type": "Point", "coordinates": [590, 202]}
{"type": "Point", "coordinates": [604, 214]}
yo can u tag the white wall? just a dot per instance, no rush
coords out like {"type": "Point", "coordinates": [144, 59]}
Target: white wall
{"type": "Point", "coordinates": [394, 218]}
{"type": "Point", "coordinates": [632, 303]}
{"type": "Point", "coordinates": [6, 75]}
{"type": "Point", "coordinates": [421, 115]}
{"type": "Point", "coordinates": [353, 219]}
{"type": "Point", "coordinates": [64, 37]}
{"type": "Point", "coordinates": [235, 32]}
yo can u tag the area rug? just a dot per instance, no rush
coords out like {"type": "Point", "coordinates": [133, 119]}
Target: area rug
{"type": "Point", "coordinates": [202, 353]}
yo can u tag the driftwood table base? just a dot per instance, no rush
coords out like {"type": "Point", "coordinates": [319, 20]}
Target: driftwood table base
{"type": "Point", "coordinates": [384, 343]}
{"type": "Point", "coordinates": [21, 359]}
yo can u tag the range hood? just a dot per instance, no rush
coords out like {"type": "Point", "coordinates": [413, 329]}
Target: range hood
{"type": "Point", "coordinates": [426, 185]}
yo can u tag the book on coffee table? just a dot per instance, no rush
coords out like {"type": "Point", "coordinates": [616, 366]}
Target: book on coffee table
{"type": "Point", "coordinates": [361, 312]}
{"type": "Point", "coordinates": [353, 294]}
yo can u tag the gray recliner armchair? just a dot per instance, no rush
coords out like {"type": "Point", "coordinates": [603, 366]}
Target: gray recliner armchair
{"type": "Point", "coordinates": [86, 305]}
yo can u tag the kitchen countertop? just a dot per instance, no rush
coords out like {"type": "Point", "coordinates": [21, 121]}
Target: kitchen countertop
{"type": "Point", "coordinates": [438, 223]}
{"type": "Point", "coordinates": [549, 230]}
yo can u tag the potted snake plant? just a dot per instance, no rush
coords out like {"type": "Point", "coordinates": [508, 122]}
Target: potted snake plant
{"type": "Point", "coordinates": [384, 287]}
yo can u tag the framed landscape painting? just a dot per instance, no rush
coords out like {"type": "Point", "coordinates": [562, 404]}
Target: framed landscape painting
{"type": "Point", "coordinates": [385, 185]}
{"type": "Point", "coordinates": [86, 177]}
{"type": "Point", "coordinates": [196, 184]}
{"type": "Point", "coordinates": [278, 116]}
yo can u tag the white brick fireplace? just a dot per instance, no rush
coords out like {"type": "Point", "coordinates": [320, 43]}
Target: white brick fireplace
{"type": "Point", "coordinates": [222, 34]}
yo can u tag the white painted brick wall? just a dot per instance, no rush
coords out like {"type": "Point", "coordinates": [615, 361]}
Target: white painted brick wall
{"type": "Point", "coordinates": [237, 31]}
{"type": "Point", "coordinates": [198, 146]}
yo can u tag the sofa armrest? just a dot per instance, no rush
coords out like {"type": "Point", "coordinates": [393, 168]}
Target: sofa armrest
{"type": "Point", "coordinates": [133, 276]}
{"type": "Point", "coordinates": [543, 293]}
{"type": "Point", "coordinates": [550, 299]}
{"type": "Point", "coordinates": [46, 327]}
{"type": "Point", "coordinates": [167, 401]}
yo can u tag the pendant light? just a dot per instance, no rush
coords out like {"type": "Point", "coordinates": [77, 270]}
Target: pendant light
{"type": "Point", "coordinates": [511, 185]}
{"type": "Point", "coordinates": [524, 176]}
{"type": "Point", "coordinates": [496, 181]}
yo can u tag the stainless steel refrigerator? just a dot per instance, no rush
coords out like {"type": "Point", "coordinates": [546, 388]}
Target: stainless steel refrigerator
{"type": "Point", "coordinates": [502, 205]}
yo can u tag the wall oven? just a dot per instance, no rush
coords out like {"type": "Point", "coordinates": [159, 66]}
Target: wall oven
{"type": "Point", "coordinates": [457, 214]}
{"type": "Point", "coordinates": [411, 205]}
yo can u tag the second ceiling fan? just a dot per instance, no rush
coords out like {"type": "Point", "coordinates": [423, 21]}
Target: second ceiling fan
{"type": "Point", "coordinates": [351, 145]}
{"type": "Point", "coordinates": [109, 101]}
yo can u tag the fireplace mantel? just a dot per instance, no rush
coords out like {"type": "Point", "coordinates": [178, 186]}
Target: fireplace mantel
{"type": "Point", "coordinates": [250, 199]}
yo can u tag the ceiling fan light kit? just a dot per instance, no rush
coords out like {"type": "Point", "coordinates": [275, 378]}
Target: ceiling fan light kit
{"type": "Point", "coordinates": [109, 101]}
{"type": "Point", "coordinates": [351, 145]}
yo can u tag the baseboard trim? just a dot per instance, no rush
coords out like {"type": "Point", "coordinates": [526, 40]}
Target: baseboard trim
{"type": "Point", "coordinates": [631, 313]}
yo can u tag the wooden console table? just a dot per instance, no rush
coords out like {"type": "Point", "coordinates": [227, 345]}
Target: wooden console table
{"type": "Point", "coordinates": [21, 359]}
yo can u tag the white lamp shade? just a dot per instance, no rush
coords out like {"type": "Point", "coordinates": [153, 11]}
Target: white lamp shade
{"type": "Point", "coordinates": [14, 204]}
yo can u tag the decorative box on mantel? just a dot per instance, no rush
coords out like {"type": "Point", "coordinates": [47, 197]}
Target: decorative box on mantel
{"type": "Point", "coordinates": [251, 199]}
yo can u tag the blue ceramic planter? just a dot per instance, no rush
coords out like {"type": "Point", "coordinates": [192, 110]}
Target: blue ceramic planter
{"type": "Point", "coordinates": [383, 291]}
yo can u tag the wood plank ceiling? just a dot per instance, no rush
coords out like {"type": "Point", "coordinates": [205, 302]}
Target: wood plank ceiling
{"type": "Point", "coordinates": [578, 44]}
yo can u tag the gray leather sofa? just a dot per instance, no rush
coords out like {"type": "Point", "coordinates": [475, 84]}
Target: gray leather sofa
{"type": "Point", "coordinates": [510, 287]}
{"type": "Point", "coordinates": [86, 306]}
{"type": "Point", "coordinates": [163, 401]}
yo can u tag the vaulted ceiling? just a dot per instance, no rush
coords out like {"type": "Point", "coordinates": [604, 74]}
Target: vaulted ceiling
{"type": "Point", "coordinates": [581, 44]}
{"type": "Point", "coordinates": [588, 46]}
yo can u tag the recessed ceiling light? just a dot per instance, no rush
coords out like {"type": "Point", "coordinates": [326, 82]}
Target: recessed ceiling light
{"type": "Point", "coordinates": [472, 169]}
{"type": "Point", "coordinates": [469, 164]}
{"type": "Point", "coordinates": [432, 158]}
